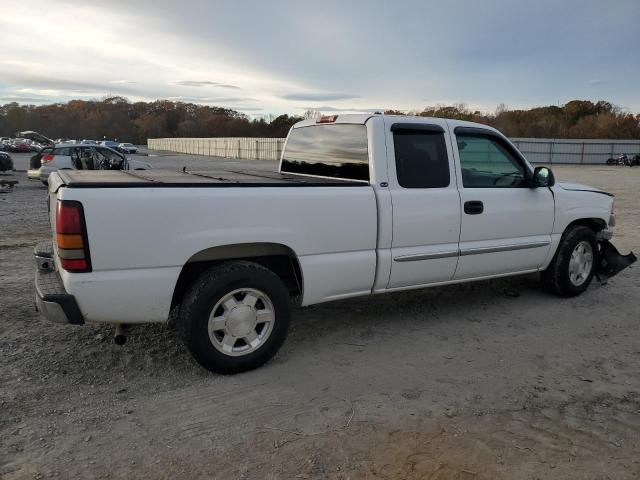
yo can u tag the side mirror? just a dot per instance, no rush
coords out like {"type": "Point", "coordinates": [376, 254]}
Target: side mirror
{"type": "Point", "coordinates": [543, 177]}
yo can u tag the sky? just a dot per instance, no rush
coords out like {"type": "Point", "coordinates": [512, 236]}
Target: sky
{"type": "Point", "coordinates": [281, 56]}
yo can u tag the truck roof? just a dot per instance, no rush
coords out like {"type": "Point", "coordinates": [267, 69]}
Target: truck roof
{"type": "Point", "coordinates": [361, 119]}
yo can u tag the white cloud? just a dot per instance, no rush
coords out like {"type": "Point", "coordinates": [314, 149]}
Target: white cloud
{"type": "Point", "coordinates": [283, 56]}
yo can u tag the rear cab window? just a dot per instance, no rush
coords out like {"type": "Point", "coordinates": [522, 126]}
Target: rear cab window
{"type": "Point", "coordinates": [332, 151]}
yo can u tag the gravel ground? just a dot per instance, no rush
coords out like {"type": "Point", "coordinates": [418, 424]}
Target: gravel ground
{"type": "Point", "coordinates": [510, 383]}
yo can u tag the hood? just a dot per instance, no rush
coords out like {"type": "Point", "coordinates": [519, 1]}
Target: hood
{"type": "Point", "coordinates": [578, 187]}
{"type": "Point", "coordinates": [35, 136]}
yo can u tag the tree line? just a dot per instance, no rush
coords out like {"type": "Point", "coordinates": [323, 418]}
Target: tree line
{"type": "Point", "coordinates": [118, 118]}
{"type": "Point", "coordinates": [575, 119]}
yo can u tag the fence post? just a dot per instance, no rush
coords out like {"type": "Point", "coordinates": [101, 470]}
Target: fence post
{"type": "Point", "coordinates": [257, 150]}
{"type": "Point", "coordinates": [582, 155]}
{"type": "Point", "coordinates": [551, 152]}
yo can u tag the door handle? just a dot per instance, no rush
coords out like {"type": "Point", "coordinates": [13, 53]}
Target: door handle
{"type": "Point", "coordinates": [473, 207]}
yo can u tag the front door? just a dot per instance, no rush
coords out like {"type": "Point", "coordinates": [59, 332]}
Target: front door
{"type": "Point", "coordinates": [426, 204]}
{"type": "Point", "coordinates": [506, 225]}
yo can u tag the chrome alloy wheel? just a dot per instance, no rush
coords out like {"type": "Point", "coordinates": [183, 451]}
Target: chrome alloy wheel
{"type": "Point", "coordinates": [241, 322]}
{"type": "Point", "coordinates": [581, 263]}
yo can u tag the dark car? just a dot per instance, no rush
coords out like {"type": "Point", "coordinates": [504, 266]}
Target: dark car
{"type": "Point", "coordinates": [6, 162]}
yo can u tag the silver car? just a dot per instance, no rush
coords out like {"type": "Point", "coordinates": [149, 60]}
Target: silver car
{"type": "Point", "coordinates": [84, 157]}
{"type": "Point", "coordinates": [71, 156]}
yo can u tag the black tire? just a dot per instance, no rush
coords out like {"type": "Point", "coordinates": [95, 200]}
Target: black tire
{"type": "Point", "coordinates": [611, 161]}
{"type": "Point", "coordinates": [46, 184]}
{"type": "Point", "coordinates": [204, 294]}
{"type": "Point", "coordinates": [556, 277]}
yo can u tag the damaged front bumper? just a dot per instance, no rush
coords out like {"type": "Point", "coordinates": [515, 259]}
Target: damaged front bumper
{"type": "Point", "coordinates": [611, 261]}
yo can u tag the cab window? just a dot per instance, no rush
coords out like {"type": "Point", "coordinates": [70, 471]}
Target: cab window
{"type": "Point", "coordinates": [487, 162]}
{"type": "Point", "coordinates": [421, 158]}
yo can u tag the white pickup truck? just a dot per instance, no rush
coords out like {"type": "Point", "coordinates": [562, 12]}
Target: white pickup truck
{"type": "Point", "coordinates": [361, 205]}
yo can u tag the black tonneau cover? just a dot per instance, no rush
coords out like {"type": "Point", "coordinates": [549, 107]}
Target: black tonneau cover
{"type": "Point", "coordinates": [209, 178]}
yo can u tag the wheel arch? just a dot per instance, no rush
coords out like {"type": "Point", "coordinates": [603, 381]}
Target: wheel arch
{"type": "Point", "coordinates": [278, 258]}
{"type": "Point", "coordinates": [595, 224]}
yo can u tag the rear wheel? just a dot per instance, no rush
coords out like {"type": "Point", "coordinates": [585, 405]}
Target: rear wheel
{"type": "Point", "coordinates": [574, 263]}
{"type": "Point", "coordinates": [235, 317]}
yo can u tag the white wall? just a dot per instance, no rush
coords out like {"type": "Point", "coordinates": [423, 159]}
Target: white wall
{"type": "Point", "coordinates": [536, 150]}
{"type": "Point", "coordinates": [229, 147]}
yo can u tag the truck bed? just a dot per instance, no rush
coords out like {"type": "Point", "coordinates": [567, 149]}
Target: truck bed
{"type": "Point", "coordinates": [208, 178]}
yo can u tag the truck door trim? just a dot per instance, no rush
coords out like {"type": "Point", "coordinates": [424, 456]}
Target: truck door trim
{"type": "Point", "coordinates": [426, 256]}
{"type": "Point", "coordinates": [470, 251]}
{"type": "Point", "coordinates": [504, 248]}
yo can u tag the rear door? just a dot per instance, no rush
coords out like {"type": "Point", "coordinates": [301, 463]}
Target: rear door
{"type": "Point", "coordinates": [426, 202]}
{"type": "Point", "coordinates": [506, 226]}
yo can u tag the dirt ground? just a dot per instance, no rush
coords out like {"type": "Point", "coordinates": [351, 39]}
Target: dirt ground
{"type": "Point", "coordinates": [492, 380]}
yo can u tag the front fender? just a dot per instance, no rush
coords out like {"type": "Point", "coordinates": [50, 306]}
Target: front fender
{"type": "Point", "coordinates": [611, 261]}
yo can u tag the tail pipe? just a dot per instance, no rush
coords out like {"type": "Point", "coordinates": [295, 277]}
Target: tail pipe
{"type": "Point", "coordinates": [120, 337]}
{"type": "Point", "coordinates": [612, 261]}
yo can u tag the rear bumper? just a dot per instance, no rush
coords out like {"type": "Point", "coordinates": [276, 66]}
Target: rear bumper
{"type": "Point", "coordinates": [52, 300]}
{"type": "Point", "coordinates": [44, 173]}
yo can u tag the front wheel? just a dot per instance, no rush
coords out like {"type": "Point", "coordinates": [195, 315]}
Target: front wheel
{"type": "Point", "coordinates": [235, 317]}
{"type": "Point", "coordinates": [574, 263]}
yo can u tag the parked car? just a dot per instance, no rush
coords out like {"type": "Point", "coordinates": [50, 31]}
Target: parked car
{"type": "Point", "coordinates": [114, 145]}
{"type": "Point", "coordinates": [361, 205]}
{"type": "Point", "coordinates": [128, 147]}
{"type": "Point", "coordinates": [21, 145]}
{"type": "Point", "coordinates": [6, 162]}
{"type": "Point", "coordinates": [85, 157]}
{"type": "Point", "coordinates": [37, 137]}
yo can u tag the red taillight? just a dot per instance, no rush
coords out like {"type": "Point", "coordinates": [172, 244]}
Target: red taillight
{"type": "Point", "coordinates": [327, 119]}
{"type": "Point", "coordinates": [47, 158]}
{"type": "Point", "coordinates": [71, 237]}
